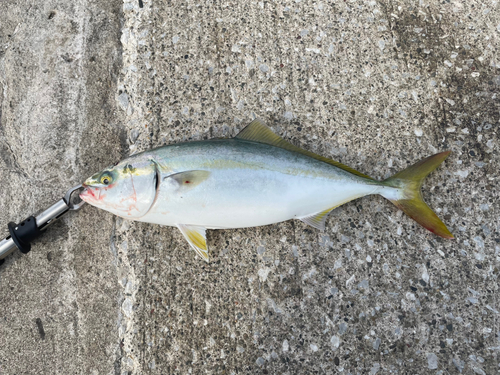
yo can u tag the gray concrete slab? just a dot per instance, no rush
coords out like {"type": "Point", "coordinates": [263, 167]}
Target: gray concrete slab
{"type": "Point", "coordinates": [376, 85]}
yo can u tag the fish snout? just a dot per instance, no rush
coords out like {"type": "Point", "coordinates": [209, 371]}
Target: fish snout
{"type": "Point", "coordinates": [85, 193]}
{"type": "Point", "coordinates": [88, 194]}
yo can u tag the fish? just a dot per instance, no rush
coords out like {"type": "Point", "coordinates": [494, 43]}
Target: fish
{"type": "Point", "coordinates": [256, 178]}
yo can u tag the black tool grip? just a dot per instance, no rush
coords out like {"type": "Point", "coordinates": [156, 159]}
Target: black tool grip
{"type": "Point", "coordinates": [23, 233]}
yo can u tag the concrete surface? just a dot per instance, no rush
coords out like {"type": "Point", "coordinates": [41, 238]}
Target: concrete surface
{"type": "Point", "coordinates": [374, 84]}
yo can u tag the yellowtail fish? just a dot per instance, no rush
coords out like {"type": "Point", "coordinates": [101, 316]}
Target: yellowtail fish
{"type": "Point", "coordinates": [256, 178]}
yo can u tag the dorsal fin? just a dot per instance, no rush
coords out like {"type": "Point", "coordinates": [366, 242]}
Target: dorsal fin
{"type": "Point", "coordinates": [256, 131]}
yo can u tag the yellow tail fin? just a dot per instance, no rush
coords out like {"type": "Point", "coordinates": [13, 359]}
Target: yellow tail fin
{"type": "Point", "coordinates": [410, 181]}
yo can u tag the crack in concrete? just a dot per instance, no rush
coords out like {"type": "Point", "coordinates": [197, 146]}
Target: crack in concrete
{"type": "Point", "coordinates": [127, 299]}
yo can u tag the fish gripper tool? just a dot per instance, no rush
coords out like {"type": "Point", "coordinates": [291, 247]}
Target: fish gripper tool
{"type": "Point", "coordinates": [21, 235]}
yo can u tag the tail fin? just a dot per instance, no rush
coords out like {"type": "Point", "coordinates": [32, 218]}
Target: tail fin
{"type": "Point", "coordinates": [410, 181]}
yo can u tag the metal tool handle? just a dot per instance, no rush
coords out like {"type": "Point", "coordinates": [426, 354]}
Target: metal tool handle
{"type": "Point", "coordinates": [23, 233]}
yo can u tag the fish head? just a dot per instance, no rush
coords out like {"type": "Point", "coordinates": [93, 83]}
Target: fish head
{"type": "Point", "coordinates": [127, 189]}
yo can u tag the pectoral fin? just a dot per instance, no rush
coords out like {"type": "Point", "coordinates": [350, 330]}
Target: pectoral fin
{"type": "Point", "coordinates": [196, 237]}
{"type": "Point", "coordinates": [188, 179]}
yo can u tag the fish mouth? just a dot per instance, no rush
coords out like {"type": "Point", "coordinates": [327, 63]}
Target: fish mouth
{"type": "Point", "coordinates": [89, 195]}
{"type": "Point", "coordinates": [84, 195]}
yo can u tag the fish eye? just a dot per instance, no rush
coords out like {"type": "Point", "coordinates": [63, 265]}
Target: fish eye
{"type": "Point", "coordinates": [105, 179]}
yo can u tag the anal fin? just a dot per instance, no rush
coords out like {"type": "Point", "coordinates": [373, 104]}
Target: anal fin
{"type": "Point", "coordinates": [196, 236]}
{"type": "Point", "coordinates": [317, 220]}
